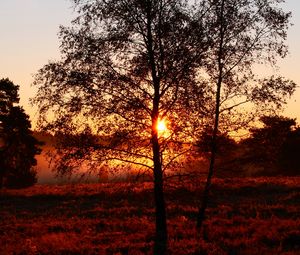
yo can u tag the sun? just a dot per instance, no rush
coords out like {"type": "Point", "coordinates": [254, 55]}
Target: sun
{"type": "Point", "coordinates": [161, 126]}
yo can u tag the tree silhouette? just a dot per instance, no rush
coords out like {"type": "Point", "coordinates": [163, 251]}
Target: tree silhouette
{"type": "Point", "coordinates": [289, 161]}
{"type": "Point", "coordinates": [125, 66]}
{"type": "Point", "coordinates": [244, 33]}
{"type": "Point", "coordinates": [8, 96]}
{"type": "Point", "coordinates": [18, 146]}
{"type": "Point", "coordinates": [273, 147]}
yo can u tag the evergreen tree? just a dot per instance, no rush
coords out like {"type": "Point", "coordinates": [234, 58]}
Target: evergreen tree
{"type": "Point", "coordinates": [18, 146]}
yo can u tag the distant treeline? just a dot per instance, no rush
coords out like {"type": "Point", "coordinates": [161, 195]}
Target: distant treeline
{"type": "Point", "coordinates": [269, 150]}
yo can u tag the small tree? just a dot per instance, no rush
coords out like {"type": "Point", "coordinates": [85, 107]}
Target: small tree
{"type": "Point", "coordinates": [245, 33]}
{"type": "Point", "coordinates": [18, 146]}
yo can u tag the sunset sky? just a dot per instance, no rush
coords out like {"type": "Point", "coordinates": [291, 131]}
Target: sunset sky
{"type": "Point", "coordinates": [29, 40]}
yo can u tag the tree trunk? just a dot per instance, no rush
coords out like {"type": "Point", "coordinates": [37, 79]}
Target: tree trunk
{"type": "Point", "coordinates": [161, 237]}
{"type": "Point", "coordinates": [205, 196]}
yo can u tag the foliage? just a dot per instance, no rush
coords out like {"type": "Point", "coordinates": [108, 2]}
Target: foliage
{"type": "Point", "coordinates": [18, 147]}
{"type": "Point", "coordinates": [273, 147]}
{"type": "Point", "coordinates": [244, 35]}
{"type": "Point", "coordinates": [8, 95]}
{"type": "Point", "coordinates": [125, 65]}
{"type": "Point", "coordinates": [225, 144]}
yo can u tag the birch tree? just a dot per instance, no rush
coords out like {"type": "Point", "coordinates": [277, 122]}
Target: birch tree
{"type": "Point", "coordinates": [126, 66]}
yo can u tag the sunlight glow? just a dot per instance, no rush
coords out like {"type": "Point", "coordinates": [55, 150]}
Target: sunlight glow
{"type": "Point", "coordinates": [161, 126]}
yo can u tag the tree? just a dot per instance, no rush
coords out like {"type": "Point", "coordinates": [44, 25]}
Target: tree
{"type": "Point", "coordinates": [245, 33]}
{"type": "Point", "coordinates": [289, 161]}
{"type": "Point", "coordinates": [8, 96]}
{"type": "Point", "coordinates": [126, 65]}
{"type": "Point", "coordinates": [18, 146]}
{"type": "Point", "coordinates": [272, 147]}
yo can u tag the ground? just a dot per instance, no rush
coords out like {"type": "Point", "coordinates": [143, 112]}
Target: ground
{"type": "Point", "coordinates": [245, 216]}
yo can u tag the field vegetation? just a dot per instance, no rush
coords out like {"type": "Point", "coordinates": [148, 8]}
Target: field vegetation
{"type": "Point", "coordinates": [244, 216]}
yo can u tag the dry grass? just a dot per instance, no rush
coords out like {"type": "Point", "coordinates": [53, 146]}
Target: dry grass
{"type": "Point", "coordinates": [245, 216]}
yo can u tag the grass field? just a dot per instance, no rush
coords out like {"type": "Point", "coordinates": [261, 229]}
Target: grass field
{"type": "Point", "coordinates": [245, 216]}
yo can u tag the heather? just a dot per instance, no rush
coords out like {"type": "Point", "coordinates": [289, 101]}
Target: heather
{"type": "Point", "coordinates": [244, 216]}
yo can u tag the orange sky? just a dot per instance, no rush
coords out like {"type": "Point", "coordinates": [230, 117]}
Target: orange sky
{"type": "Point", "coordinates": [29, 40]}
